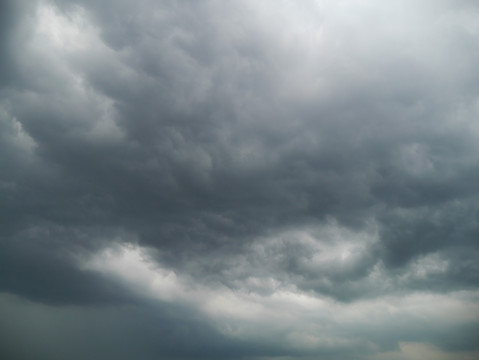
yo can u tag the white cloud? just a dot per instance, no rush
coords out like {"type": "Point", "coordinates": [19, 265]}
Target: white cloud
{"type": "Point", "coordinates": [299, 319]}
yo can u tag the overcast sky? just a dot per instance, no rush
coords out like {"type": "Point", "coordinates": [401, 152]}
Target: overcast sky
{"type": "Point", "coordinates": [250, 180]}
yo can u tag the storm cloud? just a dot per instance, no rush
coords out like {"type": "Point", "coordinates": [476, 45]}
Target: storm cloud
{"type": "Point", "coordinates": [239, 179]}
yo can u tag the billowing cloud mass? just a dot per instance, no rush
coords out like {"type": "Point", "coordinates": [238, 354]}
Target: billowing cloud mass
{"type": "Point", "coordinates": [250, 180]}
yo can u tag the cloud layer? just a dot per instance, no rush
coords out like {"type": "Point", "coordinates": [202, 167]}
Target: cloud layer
{"type": "Point", "coordinates": [222, 179]}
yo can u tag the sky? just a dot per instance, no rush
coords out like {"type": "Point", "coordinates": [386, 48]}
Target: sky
{"type": "Point", "coordinates": [240, 180]}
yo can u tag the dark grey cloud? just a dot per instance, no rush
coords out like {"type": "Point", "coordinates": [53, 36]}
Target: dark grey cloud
{"type": "Point", "coordinates": [263, 167]}
{"type": "Point", "coordinates": [120, 332]}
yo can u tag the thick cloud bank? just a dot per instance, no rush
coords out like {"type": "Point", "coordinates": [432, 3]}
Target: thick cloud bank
{"type": "Point", "coordinates": [239, 179]}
